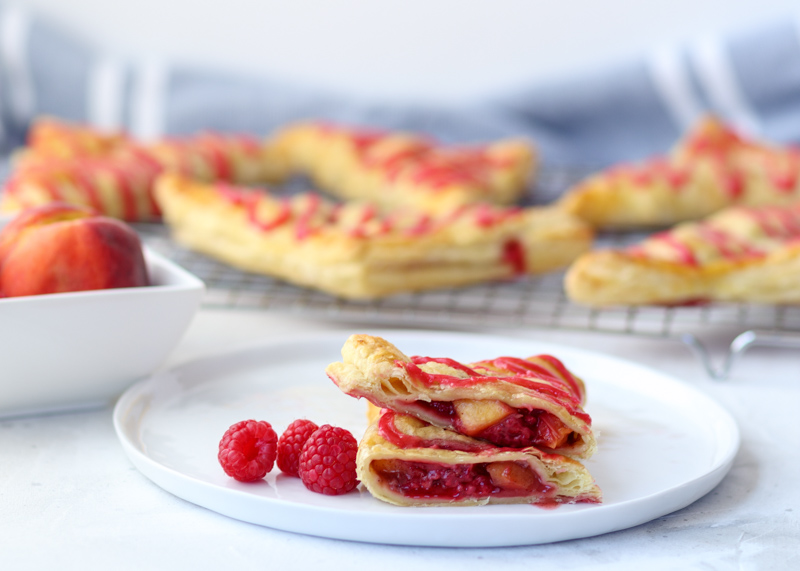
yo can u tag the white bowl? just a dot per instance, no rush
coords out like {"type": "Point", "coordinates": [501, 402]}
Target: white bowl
{"type": "Point", "coordinates": [78, 350]}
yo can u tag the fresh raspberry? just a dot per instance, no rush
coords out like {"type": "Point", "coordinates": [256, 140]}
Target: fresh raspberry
{"type": "Point", "coordinates": [290, 445]}
{"type": "Point", "coordinates": [328, 461]}
{"type": "Point", "coordinates": [247, 450]}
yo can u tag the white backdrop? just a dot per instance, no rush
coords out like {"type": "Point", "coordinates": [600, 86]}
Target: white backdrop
{"type": "Point", "coordinates": [435, 50]}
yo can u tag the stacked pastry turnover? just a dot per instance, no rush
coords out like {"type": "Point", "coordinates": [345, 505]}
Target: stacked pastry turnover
{"type": "Point", "coordinates": [505, 430]}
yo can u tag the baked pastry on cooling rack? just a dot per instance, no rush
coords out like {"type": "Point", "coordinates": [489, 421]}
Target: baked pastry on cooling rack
{"type": "Point", "coordinates": [507, 401]}
{"type": "Point", "coordinates": [711, 168]}
{"type": "Point", "coordinates": [114, 175]}
{"type": "Point", "coordinates": [239, 159]}
{"type": "Point", "coordinates": [405, 461]}
{"type": "Point", "coordinates": [352, 250]}
{"type": "Point", "coordinates": [52, 139]}
{"type": "Point", "coordinates": [115, 185]}
{"type": "Point", "coordinates": [748, 254]}
{"type": "Point", "coordinates": [396, 169]}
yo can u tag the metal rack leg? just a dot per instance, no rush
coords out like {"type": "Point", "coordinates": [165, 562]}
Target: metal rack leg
{"type": "Point", "coordinates": [738, 346]}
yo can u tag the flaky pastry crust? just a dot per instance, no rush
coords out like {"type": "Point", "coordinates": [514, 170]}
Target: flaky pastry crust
{"type": "Point", "coordinates": [507, 401]}
{"type": "Point", "coordinates": [743, 254]}
{"type": "Point", "coordinates": [712, 168]}
{"type": "Point", "coordinates": [354, 251]}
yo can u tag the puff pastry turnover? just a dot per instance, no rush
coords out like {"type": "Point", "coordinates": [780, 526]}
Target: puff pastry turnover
{"type": "Point", "coordinates": [393, 169]}
{"type": "Point", "coordinates": [405, 461]}
{"type": "Point", "coordinates": [740, 254]}
{"type": "Point", "coordinates": [50, 138]}
{"type": "Point", "coordinates": [354, 251]}
{"type": "Point", "coordinates": [114, 175]}
{"type": "Point", "coordinates": [506, 401]}
{"type": "Point", "coordinates": [711, 168]}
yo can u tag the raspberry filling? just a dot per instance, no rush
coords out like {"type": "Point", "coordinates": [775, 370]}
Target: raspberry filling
{"type": "Point", "coordinates": [517, 430]}
{"type": "Point", "coordinates": [459, 481]}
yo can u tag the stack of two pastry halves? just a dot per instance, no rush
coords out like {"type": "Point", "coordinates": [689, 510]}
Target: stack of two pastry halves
{"type": "Point", "coordinates": [441, 433]}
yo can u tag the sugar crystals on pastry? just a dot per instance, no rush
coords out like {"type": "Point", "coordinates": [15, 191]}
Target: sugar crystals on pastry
{"type": "Point", "coordinates": [745, 254]}
{"type": "Point", "coordinates": [408, 462]}
{"type": "Point", "coordinates": [711, 168]}
{"type": "Point", "coordinates": [507, 401]}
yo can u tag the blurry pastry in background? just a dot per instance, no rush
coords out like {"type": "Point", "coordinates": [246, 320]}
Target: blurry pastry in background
{"type": "Point", "coordinates": [745, 254]}
{"type": "Point", "coordinates": [711, 168]}
{"type": "Point", "coordinates": [400, 169]}
{"type": "Point", "coordinates": [114, 174]}
{"type": "Point", "coordinates": [116, 185]}
{"type": "Point", "coordinates": [51, 139]}
{"type": "Point", "coordinates": [356, 251]}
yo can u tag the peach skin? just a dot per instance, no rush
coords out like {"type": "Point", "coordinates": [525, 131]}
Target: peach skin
{"type": "Point", "coordinates": [60, 248]}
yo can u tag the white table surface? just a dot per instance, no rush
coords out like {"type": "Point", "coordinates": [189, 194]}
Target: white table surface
{"type": "Point", "coordinates": [69, 498]}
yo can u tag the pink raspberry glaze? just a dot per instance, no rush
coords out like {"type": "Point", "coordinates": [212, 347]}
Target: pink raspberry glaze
{"type": "Point", "coordinates": [721, 147]}
{"type": "Point", "coordinates": [779, 223]}
{"type": "Point", "coordinates": [311, 214]}
{"type": "Point", "coordinates": [422, 161]}
{"type": "Point", "coordinates": [546, 386]}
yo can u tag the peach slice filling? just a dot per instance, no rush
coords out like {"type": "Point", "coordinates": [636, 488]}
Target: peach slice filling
{"type": "Point", "coordinates": [475, 416]}
{"type": "Point", "coordinates": [460, 481]}
{"type": "Point", "coordinates": [503, 425]}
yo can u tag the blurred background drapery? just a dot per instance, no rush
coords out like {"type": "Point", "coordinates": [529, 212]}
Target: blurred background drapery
{"type": "Point", "coordinates": [619, 111]}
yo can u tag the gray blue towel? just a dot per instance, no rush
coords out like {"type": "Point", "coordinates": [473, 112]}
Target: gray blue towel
{"type": "Point", "coordinates": [636, 109]}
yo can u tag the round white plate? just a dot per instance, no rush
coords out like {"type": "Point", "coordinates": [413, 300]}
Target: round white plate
{"type": "Point", "coordinates": [661, 445]}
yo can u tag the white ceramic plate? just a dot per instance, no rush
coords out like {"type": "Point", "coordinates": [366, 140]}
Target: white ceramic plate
{"type": "Point", "coordinates": [662, 444]}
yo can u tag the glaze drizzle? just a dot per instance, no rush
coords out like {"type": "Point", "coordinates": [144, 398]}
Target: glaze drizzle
{"type": "Point", "coordinates": [737, 234]}
{"type": "Point", "coordinates": [311, 214]}
{"type": "Point", "coordinates": [101, 168]}
{"type": "Point", "coordinates": [563, 392]}
{"type": "Point", "coordinates": [740, 166]}
{"type": "Point", "coordinates": [419, 160]}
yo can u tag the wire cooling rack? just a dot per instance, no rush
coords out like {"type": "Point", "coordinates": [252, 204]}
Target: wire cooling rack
{"type": "Point", "coordinates": [531, 302]}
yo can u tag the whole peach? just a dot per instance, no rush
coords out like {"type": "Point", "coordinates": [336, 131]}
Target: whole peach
{"type": "Point", "coordinates": [60, 247]}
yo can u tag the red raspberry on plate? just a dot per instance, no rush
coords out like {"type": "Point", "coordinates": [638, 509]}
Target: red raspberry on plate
{"type": "Point", "coordinates": [290, 445]}
{"type": "Point", "coordinates": [247, 450]}
{"type": "Point", "coordinates": [328, 461]}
